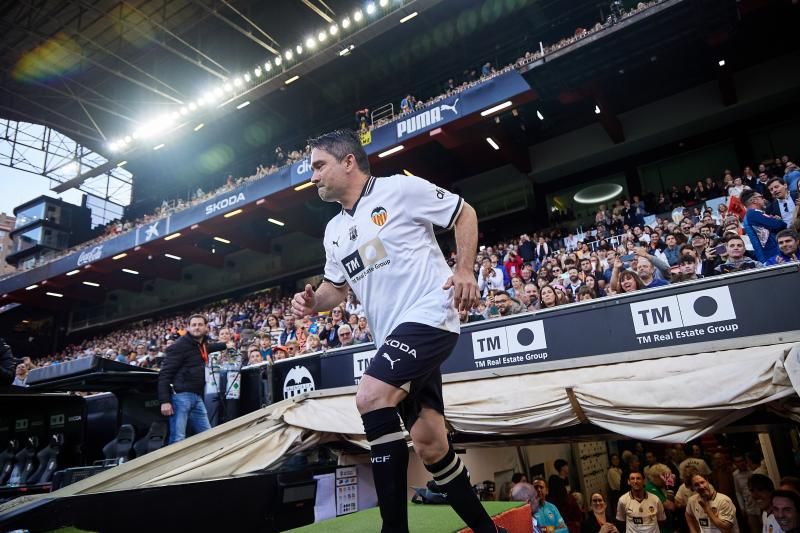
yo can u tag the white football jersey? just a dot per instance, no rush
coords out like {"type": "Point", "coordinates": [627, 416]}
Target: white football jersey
{"type": "Point", "coordinates": [386, 250]}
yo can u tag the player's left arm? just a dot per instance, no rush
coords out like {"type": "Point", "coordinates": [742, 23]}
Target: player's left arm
{"type": "Point", "coordinates": [465, 293]}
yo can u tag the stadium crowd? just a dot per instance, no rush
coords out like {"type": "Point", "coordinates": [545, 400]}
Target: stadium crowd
{"type": "Point", "coordinates": [667, 489]}
{"type": "Point", "coordinates": [754, 223]}
{"type": "Point", "coordinates": [470, 77]}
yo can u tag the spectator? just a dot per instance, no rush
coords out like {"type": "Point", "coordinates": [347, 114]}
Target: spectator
{"type": "Point", "coordinates": [513, 264]}
{"type": "Point", "coordinates": [792, 176]}
{"type": "Point", "coordinates": [181, 381]}
{"type": "Point", "coordinates": [265, 346]}
{"type": "Point", "coordinates": [273, 329]}
{"type": "Point", "coordinates": [672, 250]}
{"type": "Point", "coordinates": [598, 519]}
{"type": "Point", "coordinates": [547, 515]}
{"type": "Point", "coordinates": [542, 250]}
{"type": "Point", "coordinates": [614, 478]}
{"type": "Point", "coordinates": [20, 375]}
{"type": "Point", "coordinates": [785, 508]}
{"type": "Point", "coordinates": [254, 356]}
{"type": "Point", "coordinates": [747, 506]}
{"type": "Point", "coordinates": [646, 271]}
{"type": "Point", "coordinates": [709, 509]}
{"type": "Point", "coordinates": [560, 478]}
{"type": "Point", "coordinates": [658, 475]}
{"type": "Point", "coordinates": [548, 297]}
{"type": "Point", "coordinates": [696, 461]}
{"type": "Point", "coordinates": [489, 278]}
{"type": "Point", "coordinates": [532, 293]}
{"type": "Point", "coordinates": [505, 305]}
{"type": "Point", "coordinates": [292, 348]}
{"type": "Point", "coordinates": [784, 202]}
{"type": "Point", "coordinates": [787, 244]}
{"type": "Point", "coordinates": [345, 334]}
{"type": "Point", "coordinates": [313, 344]}
{"type": "Point", "coordinates": [353, 306]}
{"type": "Point", "coordinates": [737, 261]}
{"type": "Point", "coordinates": [279, 352]}
{"type": "Point", "coordinates": [759, 227]}
{"type": "Point", "coordinates": [362, 334]}
{"type": "Point", "coordinates": [523, 492]}
{"type": "Point", "coordinates": [289, 331]}
{"type": "Point", "coordinates": [639, 510]}
{"type": "Point", "coordinates": [761, 489]}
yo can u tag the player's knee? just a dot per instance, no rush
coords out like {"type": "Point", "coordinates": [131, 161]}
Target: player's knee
{"type": "Point", "coordinates": [429, 449]}
{"type": "Point", "coordinates": [368, 399]}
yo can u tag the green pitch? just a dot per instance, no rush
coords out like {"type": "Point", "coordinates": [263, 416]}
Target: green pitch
{"type": "Point", "coordinates": [421, 519]}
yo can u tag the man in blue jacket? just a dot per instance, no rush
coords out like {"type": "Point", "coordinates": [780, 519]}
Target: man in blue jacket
{"type": "Point", "coordinates": [761, 228]}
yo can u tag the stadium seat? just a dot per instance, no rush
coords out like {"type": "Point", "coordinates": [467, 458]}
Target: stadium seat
{"type": "Point", "coordinates": [120, 447]}
{"type": "Point", "coordinates": [26, 460]}
{"type": "Point", "coordinates": [153, 440]}
{"type": "Point", "coordinates": [7, 460]}
{"type": "Point", "coordinates": [48, 460]}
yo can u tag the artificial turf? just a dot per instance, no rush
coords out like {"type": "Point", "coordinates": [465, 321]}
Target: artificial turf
{"type": "Point", "coordinates": [421, 519]}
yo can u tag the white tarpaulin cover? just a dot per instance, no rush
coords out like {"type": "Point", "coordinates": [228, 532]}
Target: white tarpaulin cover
{"type": "Point", "coordinates": [673, 399]}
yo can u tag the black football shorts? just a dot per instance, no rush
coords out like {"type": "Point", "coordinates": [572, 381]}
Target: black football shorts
{"type": "Point", "coordinates": [409, 359]}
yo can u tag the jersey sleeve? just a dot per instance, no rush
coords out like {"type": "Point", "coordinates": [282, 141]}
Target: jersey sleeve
{"type": "Point", "coordinates": [425, 201]}
{"type": "Point", "coordinates": [621, 513]}
{"type": "Point", "coordinates": [727, 511]}
{"type": "Point", "coordinates": [661, 515]}
{"type": "Point", "coordinates": [333, 269]}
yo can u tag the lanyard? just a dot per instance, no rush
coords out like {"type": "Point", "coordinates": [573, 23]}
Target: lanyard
{"type": "Point", "coordinates": [204, 353]}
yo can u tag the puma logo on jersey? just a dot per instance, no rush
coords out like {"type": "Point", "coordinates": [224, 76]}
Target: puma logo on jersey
{"type": "Point", "coordinates": [391, 361]}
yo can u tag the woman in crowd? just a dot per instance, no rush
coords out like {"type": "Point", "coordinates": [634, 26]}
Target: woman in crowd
{"type": "Point", "coordinates": [599, 519]}
{"type": "Point", "coordinates": [361, 332]}
{"type": "Point", "coordinates": [630, 281]}
{"type": "Point", "coordinates": [273, 329]}
{"type": "Point", "coordinates": [663, 205]}
{"type": "Point", "coordinates": [547, 296]}
{"type": "Point", "coordinates": [353, 306]}
{"type": "Point", "coordinates": [591, 283]}
{"type": "Point", "coordinates": [700, 192]}
{"type": "Point", "coordinates": [516, 287]}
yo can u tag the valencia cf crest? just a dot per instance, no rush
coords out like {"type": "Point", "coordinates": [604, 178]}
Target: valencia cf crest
{"type": "Point", "coordinates": [354, 233]}
{"type": "Point", "coordinates": [379, 216]}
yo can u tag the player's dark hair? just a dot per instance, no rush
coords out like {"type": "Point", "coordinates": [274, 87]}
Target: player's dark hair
{"type": "Point", "coordinates": [340, 144]}
{"type": "Point", "coordinates": [202, 317]}
{"type": "Point", "coordinates": [760, 482]}
{"type": "Point", "coordinates": [789, 495]}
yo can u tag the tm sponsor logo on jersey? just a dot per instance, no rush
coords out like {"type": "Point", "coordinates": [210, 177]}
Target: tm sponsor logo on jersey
{"type": "Point", "coordinates": [509, 345]}
{"type": "Point", "coordinates": [685, 317]}
{"type": "Point", "coordinates": [225, 203]}
{"type": "Point", "coordinates": [427, 118]}
{"type": "Point", "coordinates": [369, 257]}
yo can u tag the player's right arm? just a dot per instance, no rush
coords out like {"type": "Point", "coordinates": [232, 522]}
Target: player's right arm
{"type": "Point", "coordinates": [309, 302]}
